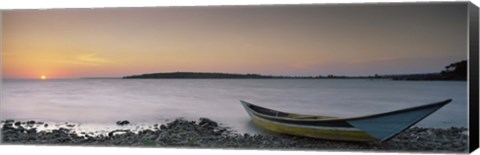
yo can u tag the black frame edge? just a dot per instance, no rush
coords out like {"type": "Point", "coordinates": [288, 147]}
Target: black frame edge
{"type": "Point", "coordinates": [473, 76]}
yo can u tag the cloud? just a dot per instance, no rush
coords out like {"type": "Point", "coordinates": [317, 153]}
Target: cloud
{"type": "Point", "coordinates": [90, 59]}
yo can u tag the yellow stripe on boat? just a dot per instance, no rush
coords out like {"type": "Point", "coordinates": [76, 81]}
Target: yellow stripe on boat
{"type": "Point", "coordinates": [298, 130]}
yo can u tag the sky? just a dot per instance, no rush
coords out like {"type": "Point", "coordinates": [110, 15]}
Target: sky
{"type": "Point", "coordinates": [302, 40]}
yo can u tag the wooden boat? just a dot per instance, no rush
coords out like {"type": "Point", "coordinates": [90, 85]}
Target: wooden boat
{"type": "Point", "coordinates": [377, 127]}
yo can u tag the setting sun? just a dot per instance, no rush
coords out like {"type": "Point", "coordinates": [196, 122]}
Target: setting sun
{"type": "Point", "coordinates": [43, 77]}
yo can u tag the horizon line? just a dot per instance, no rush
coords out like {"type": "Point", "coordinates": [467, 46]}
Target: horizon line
{"type": "Point", "coordinates": [287, 76]}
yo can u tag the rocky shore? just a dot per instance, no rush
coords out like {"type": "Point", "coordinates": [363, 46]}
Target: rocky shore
{"type": "Point", "coordinates": [206, 133]}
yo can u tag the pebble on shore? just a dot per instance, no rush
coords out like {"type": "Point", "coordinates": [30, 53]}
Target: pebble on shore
{"type": "Point", "coordinates": [209, 134]}
{"type": "Point", "coordinates": [122, 123]}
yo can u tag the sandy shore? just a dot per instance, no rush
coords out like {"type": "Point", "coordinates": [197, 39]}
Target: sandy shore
{"type": "Point", "coordinates": [206, 133]}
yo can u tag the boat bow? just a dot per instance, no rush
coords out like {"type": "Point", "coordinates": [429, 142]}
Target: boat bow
{"type": "Point", "coordinates": [386, 125]}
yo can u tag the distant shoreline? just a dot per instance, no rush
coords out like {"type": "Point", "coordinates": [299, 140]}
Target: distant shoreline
{"type": "Point", "coordinates": [207, 75]}
{"type": "Point", "coordinates": [212, 75]}
{"type": "Point", "coordinates": [453, 72]}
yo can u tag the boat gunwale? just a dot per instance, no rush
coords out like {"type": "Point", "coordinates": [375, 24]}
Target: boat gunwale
{"type": "Point", "coordinates": [246, 104]}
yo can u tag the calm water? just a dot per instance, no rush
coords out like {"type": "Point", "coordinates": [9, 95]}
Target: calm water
{"type": "Point", "coordinates": [104, 101]}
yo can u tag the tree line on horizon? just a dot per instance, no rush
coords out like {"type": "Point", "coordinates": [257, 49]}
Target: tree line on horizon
{"type": "Point", "coordinates": [453, 71]}
{"type": "Point", "coordinates": [456, 71]}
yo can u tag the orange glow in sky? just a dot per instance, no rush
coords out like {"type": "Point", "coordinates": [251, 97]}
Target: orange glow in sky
{"type": "Point", "coordinates": [276, 40]}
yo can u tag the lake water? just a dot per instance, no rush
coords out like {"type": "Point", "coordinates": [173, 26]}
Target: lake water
{"type": "Point", "coordinates": [142, 101]}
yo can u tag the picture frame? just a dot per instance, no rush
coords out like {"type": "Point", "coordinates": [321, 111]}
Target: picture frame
{"type": "Point", "coordinates": [472, 73]}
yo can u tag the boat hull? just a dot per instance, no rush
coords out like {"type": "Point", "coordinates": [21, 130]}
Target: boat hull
{"type": "Point", "coordinates": [377, 127]}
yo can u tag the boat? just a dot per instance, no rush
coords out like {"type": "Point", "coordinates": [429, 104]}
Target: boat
{"type": "Point", "coordinates": [377, 127]}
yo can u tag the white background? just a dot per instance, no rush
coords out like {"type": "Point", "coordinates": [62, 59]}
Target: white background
{"type": "Point", "coordinates": [74, 150]}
